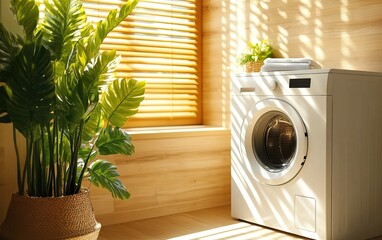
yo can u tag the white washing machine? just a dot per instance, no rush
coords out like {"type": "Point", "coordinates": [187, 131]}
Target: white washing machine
{"type": "Point", "coordinates": [307, 152]}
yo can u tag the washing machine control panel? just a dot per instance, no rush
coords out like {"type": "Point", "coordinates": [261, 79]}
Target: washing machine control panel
{"type": "Point", "coordinates": [281, 83]}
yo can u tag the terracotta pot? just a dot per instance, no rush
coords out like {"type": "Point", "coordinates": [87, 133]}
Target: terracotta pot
{"type": "Point", "coordinates": [69, 217]}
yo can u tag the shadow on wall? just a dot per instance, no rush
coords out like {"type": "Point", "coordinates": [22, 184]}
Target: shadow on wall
{"type": "Point", "coordinates": [336, 34]}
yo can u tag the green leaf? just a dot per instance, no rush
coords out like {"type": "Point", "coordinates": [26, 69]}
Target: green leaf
{"type": "Point", "coordinates": [87, 153]}
{"type": "Point", "coordinates": [63, 26]}
{"type": "Point", "coordinates": [8, 50]}
{"type": "Point", "coordinates": [32, 87]}
{"type": "Point", "coordinates": [104, 27]}
{"type": "Point", "coordinates": [9, 46]}
{"type": "Point", "coordinates": [256, 52]}
{"type": "Point", "coordinates": [93, 124]}
{"type": "Point", "coordinates": [28, 19]}
{"type": "Point", "coordinates": [121, 100]}
{"type": "Point", "coordinates": [99, 72]}
{"type": "Point", "coordinates": [4, 117]}
{"type": "Point", "coordinates": [113, 141]}
{"type": "Point", "coordinates": [104, 174]}
{"type": "Point", "coordinates": [71, 104]}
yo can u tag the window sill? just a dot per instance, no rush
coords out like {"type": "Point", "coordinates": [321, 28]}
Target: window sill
{"type": "Point", "coordinates": [176, 132]}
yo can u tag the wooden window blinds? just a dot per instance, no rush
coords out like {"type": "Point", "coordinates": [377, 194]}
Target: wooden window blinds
{"type": "Point", "coordinates": [159, 42]}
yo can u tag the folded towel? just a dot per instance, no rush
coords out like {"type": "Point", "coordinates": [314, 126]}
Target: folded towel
{"type": "Point", "coordinates": [287, 60]}
{"type": "Point", "coordinates": [284, 64]}
{"type": "Point", "coordinates": [271, 67]}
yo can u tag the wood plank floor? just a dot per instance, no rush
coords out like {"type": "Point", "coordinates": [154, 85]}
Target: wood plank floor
{"type": "Point", "coordinates": [214, 223]}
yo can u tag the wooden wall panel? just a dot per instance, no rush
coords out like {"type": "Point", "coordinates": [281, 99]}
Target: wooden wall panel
{"type": "Point", "coordinates": [169, 174]}
{"type": "Point", "coordinates": [218, 61]}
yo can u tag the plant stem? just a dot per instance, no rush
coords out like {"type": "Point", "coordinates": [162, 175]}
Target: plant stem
{"type": "Point", "coordinates": [69, 180]}
{"type": "Point", "coordinates": [43, 177]}
{"type": "Point", "coordinates": [79, 182]}
{"type": "Point", "coordinates": [58, 146]}
{"type": "Point", "coordinates": [50, 170]}
{"type": "Point", "coordinates": [65, 163]}
{"type": "Point", "coordinates": [27, 165]}
{"type": "Point", "coordinates": [36, 168]}
{"type": "Point", "coordinates": [76, 145]}
{"type": "Point", "coordinates": [24, 172]}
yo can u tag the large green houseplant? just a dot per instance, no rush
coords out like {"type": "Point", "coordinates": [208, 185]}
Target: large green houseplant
{"type": "Point", "coordinates": [61, 93]}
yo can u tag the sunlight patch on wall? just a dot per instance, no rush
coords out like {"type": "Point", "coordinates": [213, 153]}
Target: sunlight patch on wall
{"type": "Point", "coordinates": [344, 11]}
{"type": "Point", "coordinates": [347, 44]}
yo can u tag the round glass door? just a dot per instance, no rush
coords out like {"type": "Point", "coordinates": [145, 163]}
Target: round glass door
{"type": "Point", "coordinates": [274, 141]}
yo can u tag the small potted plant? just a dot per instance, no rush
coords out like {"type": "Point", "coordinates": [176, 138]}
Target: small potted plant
{"type": "Point", "coordinates": [254, 55]}
{"type": "Point", "coordinates": [60, 91]}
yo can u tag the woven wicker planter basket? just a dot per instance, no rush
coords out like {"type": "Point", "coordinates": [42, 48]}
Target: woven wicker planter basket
{"type": "Point", "coordinates": [69, 217]}
{"type": "Point", "coordinates": [253, 66]}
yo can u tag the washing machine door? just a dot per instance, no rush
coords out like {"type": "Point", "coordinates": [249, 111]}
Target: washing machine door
{"type": "Point", "coordinates": [274, 141]}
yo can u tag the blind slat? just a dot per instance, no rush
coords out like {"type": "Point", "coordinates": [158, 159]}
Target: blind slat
{"type": "Point", "coordinates": [149, 49]}
{"type": "Point", "coordinates": [171, 45]}
{"type": "Point", "coordinates": [157, 38]}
